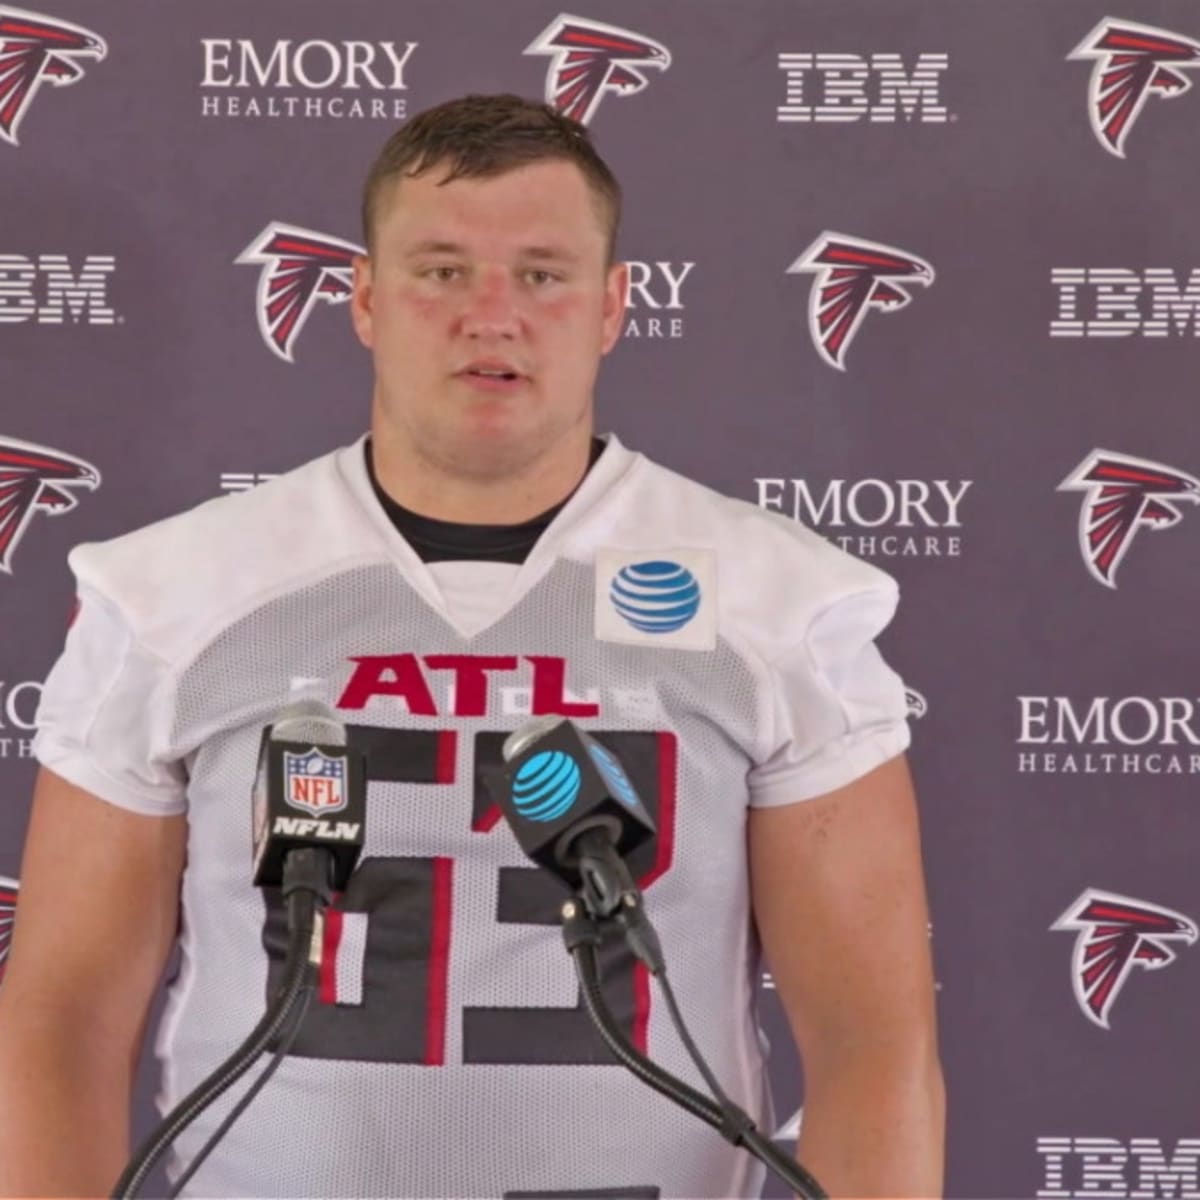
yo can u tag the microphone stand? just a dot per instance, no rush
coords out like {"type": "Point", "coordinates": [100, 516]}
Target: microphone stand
{"type": "Point", "coordinates": [606, 899]}
{"type": "Point", "coordinates": [307, 891]}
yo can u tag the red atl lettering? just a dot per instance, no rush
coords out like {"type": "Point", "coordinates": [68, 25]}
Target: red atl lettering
{"type": "Point", "coordinates": [549, 686]}
{"type": "Point", "coordinates": [389, 675]}
{"type": "Point", "coordinates": [402, 675]}
{"type": "Point", "coordinates": [470, 679]}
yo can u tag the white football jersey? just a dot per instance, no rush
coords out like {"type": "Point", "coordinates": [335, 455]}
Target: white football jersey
{"type": "Point", "coordinates": [724, 654]}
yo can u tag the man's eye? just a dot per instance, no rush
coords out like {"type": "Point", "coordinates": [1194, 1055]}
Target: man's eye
{"type": "Point", "coordinates": [442, 274]}
{"type": "Point", "coordinates": [539, 277]}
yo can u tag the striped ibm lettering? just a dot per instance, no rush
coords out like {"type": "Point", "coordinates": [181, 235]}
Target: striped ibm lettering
{"type": "Point", "coordinates": [49, 290]}
{"type": "Point", "coordinates": [1140, 1169]}
{"type": "Point", "coordinates": [1117, 302]}
{"type": "Point", "coordinates": [849, 87]}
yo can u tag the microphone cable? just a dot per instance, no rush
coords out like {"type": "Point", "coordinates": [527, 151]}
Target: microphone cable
{"type": "Point", "coordinates": [582, 935]}
{"type": "Point", "coordinates": [306, 891]}
{"type": "Point", "coordinates": [281, 1051]}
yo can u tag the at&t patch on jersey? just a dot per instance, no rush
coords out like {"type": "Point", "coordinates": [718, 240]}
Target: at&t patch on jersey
{"type": "Point", "coordinates": [314, 782]}
{"type": "Point", "coordinates": [660, 597]}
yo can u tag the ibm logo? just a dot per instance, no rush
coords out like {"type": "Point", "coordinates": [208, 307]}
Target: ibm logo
{"type": "Point", "coordinates": [1140, 1169]}
{"type": "Point", "coordinates": [48, 291]}
{"type": "Point", "coordinates": [1120, 302]}
{"type": "Point", "coordinates": [242, 481]}
{"type": "Point", "coordinates": [852, 87]}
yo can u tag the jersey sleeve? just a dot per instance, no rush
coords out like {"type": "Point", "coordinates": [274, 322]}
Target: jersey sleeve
{"type": "Point", "coordinates": [102, 705]}
{"type": "Point", "coordinates": [837, 709]}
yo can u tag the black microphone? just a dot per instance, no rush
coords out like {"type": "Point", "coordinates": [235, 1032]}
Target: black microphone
{"type": "Point", "coordinates": [568, 799]}
{"type": "Point", "coordinates": [310, 792]}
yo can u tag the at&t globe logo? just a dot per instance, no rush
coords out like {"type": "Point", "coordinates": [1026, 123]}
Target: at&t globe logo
{"type": "Point", "coordinates": [614, 776]}
{"type": "Point", "coordinates": [656, 596]}
{"type": "Point", "coordinates": [546, 786]}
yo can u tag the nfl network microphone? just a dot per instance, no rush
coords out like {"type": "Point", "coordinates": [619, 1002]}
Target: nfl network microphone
{"type": "Point", "coordinates": [310, 791]}
{"type": "Point", "coordinates": [563, 792]}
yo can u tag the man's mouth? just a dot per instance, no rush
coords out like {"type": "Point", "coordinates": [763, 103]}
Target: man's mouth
{"type": "Point", "coordinates": [494, 373]}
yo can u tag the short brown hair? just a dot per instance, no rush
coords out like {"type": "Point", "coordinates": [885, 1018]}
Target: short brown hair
{"type": "Point", "coordinates": [480, 136]}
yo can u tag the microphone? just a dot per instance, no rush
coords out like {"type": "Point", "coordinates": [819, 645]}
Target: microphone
{"type": "Point", "coordinates": [309, 802]}
{"type": "Point", "coordinates": [570, 804]}
{"type": "Point", "coordinates": [309, 792]}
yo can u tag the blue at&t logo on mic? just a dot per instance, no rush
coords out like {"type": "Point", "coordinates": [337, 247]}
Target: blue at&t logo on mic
{"type": "Point", "coordinates": [614, 775]}
{"type": "Point", "coordinates": [546, 786]}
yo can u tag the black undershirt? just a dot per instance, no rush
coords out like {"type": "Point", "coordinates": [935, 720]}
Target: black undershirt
{"type": "Point", "coordinates": [454, 541]}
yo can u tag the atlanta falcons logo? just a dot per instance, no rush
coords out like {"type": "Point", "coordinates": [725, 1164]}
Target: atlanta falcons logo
{"type": "Point", "coordinates": [8, 911]}
{"type": "Point", "coordinates": [34, 50]}
{"type": "Point", "coordinates": [36, 479]}
{"type": "Point", "coordinates": [1123, 495]}
{"type": "Point", "coordinates": [1115, 934]}
{"type": "Point", "coordinates": [1131, 62]}
{"type": "Point", "coordinates": [299, 267]}
{"type": "Point", "coordinates": [853, 276]}
{"type": "Point", "coordinates": [590, 59]}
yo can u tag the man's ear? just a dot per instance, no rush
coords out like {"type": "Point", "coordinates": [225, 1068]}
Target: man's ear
{"type": "Point", "coordinates": [362, 300]}
{"type": "Point", "coordinates": [616, 291]}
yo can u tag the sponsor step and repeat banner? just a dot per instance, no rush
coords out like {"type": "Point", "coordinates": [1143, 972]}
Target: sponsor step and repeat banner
{"type": "Point", "coordinates": [922, 275]}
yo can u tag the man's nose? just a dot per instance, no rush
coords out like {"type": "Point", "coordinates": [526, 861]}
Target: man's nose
{"type": "Point", "coordinates": [492, 307]}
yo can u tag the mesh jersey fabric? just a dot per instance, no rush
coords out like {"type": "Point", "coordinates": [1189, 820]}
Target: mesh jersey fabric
{"type": "Point", "coordinates": [449, 1055]}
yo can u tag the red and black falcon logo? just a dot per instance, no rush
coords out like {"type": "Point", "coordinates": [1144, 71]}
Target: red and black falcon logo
{"type": "Point", "coordinates": [1131, 62]}
{"type": "Point", "coordinates": [1114, 935]}
{"type": "Point", "coordinates": [34, 50]}
{"type": "Point", "coordinates": [36, 479]}
{"type": "Point", "coordinates": [8, 911]}
{"type": "Point", "coordinates": [1122, 495]}
{"type": "Point", "coordinates": [590, 59]}
{"type": "Point", "coordinates": [853, 276]}
{"type": "Point", "coordinates": [299, 267]}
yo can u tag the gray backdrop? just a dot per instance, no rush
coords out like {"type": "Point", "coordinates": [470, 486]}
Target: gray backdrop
{"type": "Point", "coordinates": [1039, 160]}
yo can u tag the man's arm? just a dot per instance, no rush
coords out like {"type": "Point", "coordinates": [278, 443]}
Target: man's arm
{"type": "Point", "coordinates": [95, 921]}
{"type": "Point", "coordinates": [839, 900]}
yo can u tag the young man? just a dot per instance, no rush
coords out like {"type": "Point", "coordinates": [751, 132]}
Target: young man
{"type": "Point", "coordinates": [480, 557]}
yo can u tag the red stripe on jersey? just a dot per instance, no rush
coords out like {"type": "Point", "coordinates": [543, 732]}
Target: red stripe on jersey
{"type": "Point", "coordinates": [668, 753]}
{"type": "Point", "coordinates": [447, 755]}
{"type": "Point", "coordinates": [439, 963]}
{"type": "Point", "coordinates": [487, 820]}
{"type": "Point", "coordinates": [641, 1006]}
{"type": "Point", "coordinates": [327, 972]}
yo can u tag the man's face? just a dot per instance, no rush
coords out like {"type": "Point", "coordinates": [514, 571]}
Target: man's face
{"type": "Point", "coordinates": [487, 305]}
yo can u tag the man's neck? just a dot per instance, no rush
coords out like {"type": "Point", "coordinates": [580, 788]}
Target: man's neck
{"type": "Point", "coordinates": [435, 490]}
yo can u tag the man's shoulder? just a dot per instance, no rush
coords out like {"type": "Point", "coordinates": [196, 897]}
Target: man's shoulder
{"type": "Point", "coordinates": [217, 556]}
{"type": "Point", "coordinates": [750, 538]}
{"type": "Point", "coordinates": [775, 576]}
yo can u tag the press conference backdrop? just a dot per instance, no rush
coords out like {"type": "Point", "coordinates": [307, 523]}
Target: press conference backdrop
{"type": "Point", "coordinates": [922, 274]}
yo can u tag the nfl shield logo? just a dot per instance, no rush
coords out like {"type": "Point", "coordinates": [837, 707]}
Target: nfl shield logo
{"type": "Point", "coordinates": [314, 782]}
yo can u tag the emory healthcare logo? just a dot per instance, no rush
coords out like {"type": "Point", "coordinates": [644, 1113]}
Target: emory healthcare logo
{"type": "Point", "coordinates": [1131, 61]}
{"type": "Point", "coordinates": [35, 49]}
{"type": "Point", "coordinates": [1114, 934]}
{"type": "Point", "coordinates": [299, 267]}
{"type": "Point", "coordinates": [589, 59]}
{"type": "Point", "coordinates": [853, 276]}
{"type": "Point", "coordinates": [35, 479]}
{"type": "Point", "coordinates": [1123, 494]}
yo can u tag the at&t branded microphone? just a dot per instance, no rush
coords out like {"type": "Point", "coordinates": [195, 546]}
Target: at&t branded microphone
{"type": "Point", "coordinates": [563, 792]}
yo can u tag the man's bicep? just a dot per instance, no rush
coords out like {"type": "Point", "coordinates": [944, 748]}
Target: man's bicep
{"type": "Point", "coordinates": [98, 907]}
{"type": "Point", "coordinates": [839, 900]}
